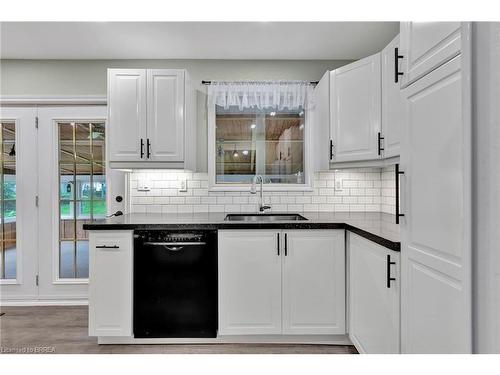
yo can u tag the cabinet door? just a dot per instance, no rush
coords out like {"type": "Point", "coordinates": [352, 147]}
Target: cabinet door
{"type": "Point", "coordinates": [127, 114]}
{"type": "Point", "coordinates": [249, 282]}
{"type": "Point", "coordinates": [392, 100]}
{"type": "Point", "coordinates": [355, 110]}
{"type": "Point", "coordinates": [436, 228]}
{"type": "Point", "coordinates": [373, 303]}
{"type": "Point", "coordinates": [313, 282]}
{"type": "Point", "coordinates": [427, 45]}
{"type": "Point", "coordinates": [110, 283]}
{"type": "Point", "coordinates": [166, 115]}
{"type": "Point", "coordinates": [321, 131]}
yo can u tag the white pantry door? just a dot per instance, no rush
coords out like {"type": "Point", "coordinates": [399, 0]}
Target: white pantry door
{"type": "Point", "coordinates": [74, 187]}
{"type": "Point", "coordinates": [436, 228]}
{"type": "Point", "coordinates": [19, 213]}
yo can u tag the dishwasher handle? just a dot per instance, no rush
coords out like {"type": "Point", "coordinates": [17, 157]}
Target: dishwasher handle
{"type": "Point", "coordinates": [175, 243]}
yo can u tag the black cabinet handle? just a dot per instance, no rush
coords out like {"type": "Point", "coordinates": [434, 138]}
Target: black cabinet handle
{"type": "Point", "coordinates": [278, 240]}
{"type": "Point", "coordinates": [331, 149]}
{"type": "Point", "coordinates": [379, 138]}
{"type": "Point", "coordinates": [398, 173]}
{"type": "Point", "coordinates": [142, 148]}
{"type": "Point", "coordinates": [389, 278]}
{"type": "Point", "coordinates": [148, 148]}
{"type": "Point", "coordinates": [107, 247]}
{"type": "Point", "coordinates": [397, 73]}
{"type": "Point", "coordinates": [286, 245]}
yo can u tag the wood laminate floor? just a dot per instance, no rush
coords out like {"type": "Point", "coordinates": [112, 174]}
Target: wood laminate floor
{"type": "Point", "coordinates": [63, 329]}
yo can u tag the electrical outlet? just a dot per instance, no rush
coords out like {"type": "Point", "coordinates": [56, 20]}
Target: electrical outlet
{"type": "Point", "coordinates": [338, 184]}
{"type": "Point", "coordinates": [183, 186]}
{"type": "Point", "coordinates": [143, 185]}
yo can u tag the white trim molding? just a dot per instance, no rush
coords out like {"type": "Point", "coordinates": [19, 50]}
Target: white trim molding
{"type": "Point", "coordinates": [53, 100]}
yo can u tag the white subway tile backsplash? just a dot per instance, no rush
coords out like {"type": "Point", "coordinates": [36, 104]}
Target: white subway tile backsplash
{"type": "Point", "coordinates": [363, 189]}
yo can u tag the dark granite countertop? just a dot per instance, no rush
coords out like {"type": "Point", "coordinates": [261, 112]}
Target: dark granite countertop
{"type": "Point", "coordinates": [375, 226]}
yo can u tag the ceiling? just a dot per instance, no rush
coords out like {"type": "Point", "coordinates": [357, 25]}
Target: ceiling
{"type": "Point", "coordinates": [194, 40]}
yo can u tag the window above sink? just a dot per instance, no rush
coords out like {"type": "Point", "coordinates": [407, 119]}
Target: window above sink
{"type": "Point", "coordinates": [259, 129]}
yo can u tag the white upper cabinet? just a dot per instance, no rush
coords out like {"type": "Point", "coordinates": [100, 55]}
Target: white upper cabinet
{"type": "Point", "coordinates": [151, 119]}
{"type": "Point", "coordinates": [374, 297]}
{"type": "Point", "coordinates": [165, 123]}
{"type": "Point", "coordinates": [392, 99]}
{"type": "Point", "coordinates": [427, 45]}
{"type": "Point", "coordinates": [313, 282]}
{"type": "Point", "coordinates": [355, 93]}
{"type": "Point", "coordinates": [126, 114]}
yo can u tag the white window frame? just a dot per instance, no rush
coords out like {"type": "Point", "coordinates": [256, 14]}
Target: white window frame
{"type": "Point", "coordinates": [211, 148]}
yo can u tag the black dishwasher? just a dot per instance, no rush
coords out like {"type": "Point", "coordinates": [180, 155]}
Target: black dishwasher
{"type": "Point", "coordinates": [175, 284]}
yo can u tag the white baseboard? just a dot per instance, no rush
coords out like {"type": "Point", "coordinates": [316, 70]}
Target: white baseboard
{"type": "Point", "coordinates": [44, 303]}
{"type": "Point", "coordinates": [254, 339]}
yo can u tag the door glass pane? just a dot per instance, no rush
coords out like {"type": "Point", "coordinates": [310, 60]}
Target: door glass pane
{"type": "Point", "coordinates": [8, 237]}
{"type": "Point", "coordinates": [267, 142]}
{"type": "Point", "coordinates": [82, 192]}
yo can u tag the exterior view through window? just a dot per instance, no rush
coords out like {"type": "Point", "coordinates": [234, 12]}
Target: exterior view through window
{"type": "Point", "coordinates": [8, 200]}
{"type": "Point", "coordinates": [267, 142]}
{"type": "Point", "coordinates": [82, 192]}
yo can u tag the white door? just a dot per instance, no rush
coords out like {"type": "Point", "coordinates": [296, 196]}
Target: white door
{"type": "Point", "coordinates": [127, 114]}
{"type": "Point", "coordinates": [165, 129]}
{"type": "Point", "coordinates": [18, 212]}
{"type": "Point", "coordinates": [249, 282]}
{"type": "Point", "coordinates": [74, 188]}
{"type": "Point", "coordinates": [392, 100]}
{"type": "Point", "coordinates": [110, 290]}
{"type": "Point", "coordinates": [313, 282]}
{"type": "Point", "coordinates": [436, 228]}
{"type": "Point", "coordinates": [427, 45]}
{"type": "Point", "coordinates": [355, 111]}
{"type": "Point", "coordinates": [374, 299]}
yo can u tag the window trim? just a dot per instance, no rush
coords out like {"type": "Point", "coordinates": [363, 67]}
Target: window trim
{"type": "Point", "coordinates": [211, 150]}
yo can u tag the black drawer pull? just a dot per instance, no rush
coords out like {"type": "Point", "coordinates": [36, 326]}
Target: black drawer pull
{"type": "Point", "coordinates": [398, 173]}
{"type": "Point", "coordinates": [389, 278]}
{"type": "Point", "coordinates": [380, 148]}
{"type": "Point", "coordinates": [107, 247]}
{"type": "Point", "coordinates": [286, 245]}
{"type": "Point", "coordinates": [278, 240]}
{"type": "Point", "coordinates": [142, 148]}
{"type": "Point", "coordinates": [397, 73]}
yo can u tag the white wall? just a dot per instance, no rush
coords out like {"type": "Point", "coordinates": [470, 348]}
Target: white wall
{"type": "Point", "coordinates": [88, 77]}
{"type": "Point", "coordinates": [486, 186]}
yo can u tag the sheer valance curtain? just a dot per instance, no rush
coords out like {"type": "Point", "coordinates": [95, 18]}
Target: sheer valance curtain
{"type": "Point", "coordinates": [281, 95]}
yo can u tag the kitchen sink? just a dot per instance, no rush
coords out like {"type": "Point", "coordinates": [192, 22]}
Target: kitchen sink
{"type": "Point", "coordinates": [264, 217]}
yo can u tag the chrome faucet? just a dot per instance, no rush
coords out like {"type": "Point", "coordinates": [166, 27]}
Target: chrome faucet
{"type": "Point", "coordinates": [253, 190]}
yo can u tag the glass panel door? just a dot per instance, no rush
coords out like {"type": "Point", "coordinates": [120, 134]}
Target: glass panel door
{"type": "Point", "coordinates": [82, 191]}
{"type": "Point", "coordinates": [8, 200]}
{"type": "Point", "coordinates": [18, 212]}
{"type": "Point", "coordinates": [73, 191]}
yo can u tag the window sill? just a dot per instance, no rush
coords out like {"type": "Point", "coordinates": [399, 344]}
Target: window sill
{"type": "Point", "coordinates": [265, 188]}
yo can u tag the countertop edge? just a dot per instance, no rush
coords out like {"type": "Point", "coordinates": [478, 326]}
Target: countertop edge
{"type": "Point", "coordinates": [391, 245]}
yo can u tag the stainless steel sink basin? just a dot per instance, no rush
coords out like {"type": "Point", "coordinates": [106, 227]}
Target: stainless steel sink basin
{"type": "Point", "coordinates": [264, 217]}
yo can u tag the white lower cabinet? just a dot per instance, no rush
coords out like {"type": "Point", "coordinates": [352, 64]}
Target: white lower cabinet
{"type": "Point", "coordinates": [249, 282]}
{"type": "Point", "coordinates": [281, 282]}
{"type": "Point", "coordinates": [110, 283]}
{"type": "Point", "coordinates": [374, 297]}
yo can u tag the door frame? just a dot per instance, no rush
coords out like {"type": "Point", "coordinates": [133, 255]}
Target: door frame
{"type": "Point", "coordinates": [51, 286]}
